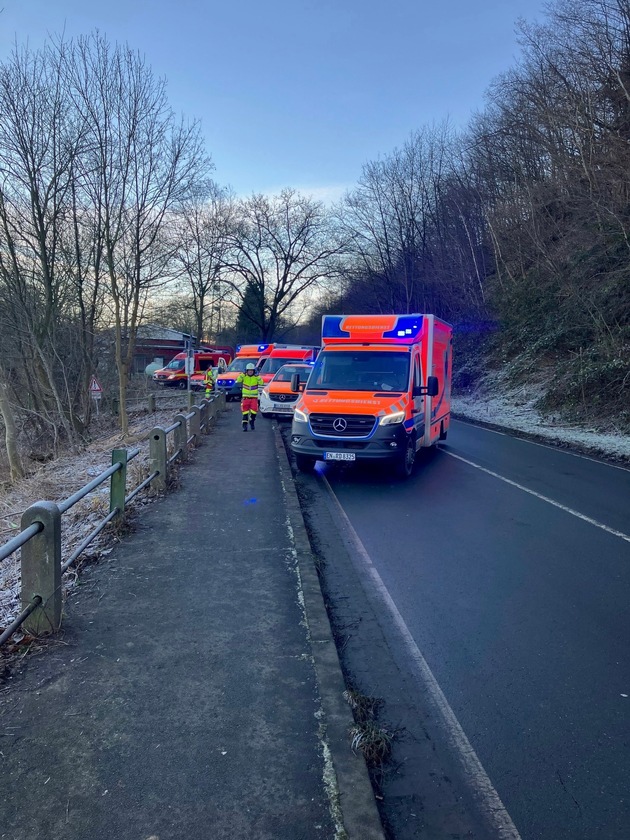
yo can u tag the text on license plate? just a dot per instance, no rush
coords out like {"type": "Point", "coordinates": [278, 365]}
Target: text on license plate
{"type": "Point", "coordinates": [287, 408]}
{"type": "Point", "coordinates": [338, 456]}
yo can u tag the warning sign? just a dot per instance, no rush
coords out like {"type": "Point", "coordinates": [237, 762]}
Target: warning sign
{"type": "Point", "coordinates": [95, 388]}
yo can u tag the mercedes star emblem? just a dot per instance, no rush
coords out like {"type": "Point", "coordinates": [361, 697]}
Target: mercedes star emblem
{"type": "Point", "coordinates": [339, 424]}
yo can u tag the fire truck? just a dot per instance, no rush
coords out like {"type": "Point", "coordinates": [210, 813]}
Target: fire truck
{"type": "Point", "coordinates": [174, 375]}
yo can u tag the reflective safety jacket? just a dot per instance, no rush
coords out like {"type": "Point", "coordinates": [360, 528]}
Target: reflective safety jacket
{"type": "Point", "coordinates": [209, 378]}
{"type": "Point", "coordinates": [250, 385]}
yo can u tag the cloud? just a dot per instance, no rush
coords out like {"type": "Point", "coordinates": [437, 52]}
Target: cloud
{"type": "Point", "coordinates": [327, 194]}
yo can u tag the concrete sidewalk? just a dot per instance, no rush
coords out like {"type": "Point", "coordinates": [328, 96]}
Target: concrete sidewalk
{"type": "Point", "coordinates": [194, 690]}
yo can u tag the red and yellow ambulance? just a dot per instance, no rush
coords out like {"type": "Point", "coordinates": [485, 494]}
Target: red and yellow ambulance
{"type": "Point", "coordinates": [245, 353]}
{"type": "Point", "coordinates": [379, 391]}
{"type": "Point", "coordinates": [174, 374]}
{"type": "Point", "coordinates": [286, 354]}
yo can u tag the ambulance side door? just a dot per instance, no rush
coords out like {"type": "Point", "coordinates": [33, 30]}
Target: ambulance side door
{"type": "Point", "coordinates": [418, 401]}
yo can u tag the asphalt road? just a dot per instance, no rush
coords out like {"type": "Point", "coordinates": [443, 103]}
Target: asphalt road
{"type": "Point", "coordinates": [507, 563]}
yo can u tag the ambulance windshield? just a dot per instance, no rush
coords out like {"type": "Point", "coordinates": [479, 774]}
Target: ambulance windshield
{"type": "Point", "coordinates": [272, 365]}
{"type": "Point", "coordinates": [176, 364]}
{"type": "Point", "coordinates": [369, 370]}
{"type": "Point", "coordinates": [239, 365]}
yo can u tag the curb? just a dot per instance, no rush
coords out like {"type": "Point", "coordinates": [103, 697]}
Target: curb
{"type": "Point", "coordinates": [356, 802]}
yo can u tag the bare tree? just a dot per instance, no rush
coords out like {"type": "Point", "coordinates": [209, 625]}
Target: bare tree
{"type": "Point", "coordinates": [200, 234]}
{"type": "Point", "coordinates": [38, 142]}
{"type": "Point", "coordinates": [416, 233]}
{"type": "Point", "coordinates": [280, 248]}
{"type": "Point", "coordinates": [551, 158]}
{"type": "Point", "coordinates": [141, 165]}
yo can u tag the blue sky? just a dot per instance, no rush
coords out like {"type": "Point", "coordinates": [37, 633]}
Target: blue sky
{"type": "Point", "coordinates": [300, 93]}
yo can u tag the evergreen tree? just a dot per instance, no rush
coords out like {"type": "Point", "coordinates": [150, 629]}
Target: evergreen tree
{"type": "Point", "coordinates": [251, 313]}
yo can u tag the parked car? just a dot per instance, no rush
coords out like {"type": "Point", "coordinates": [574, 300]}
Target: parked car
{"type": "Point", "coordinates": [276, 397]}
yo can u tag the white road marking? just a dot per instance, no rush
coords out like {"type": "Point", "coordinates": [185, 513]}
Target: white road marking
{"type": "Point", "coordinates": [514, 434]}
{"type": "Point", "coordinates": [486, 796]}
{"type": "Point", "coordinates": [566, 509]}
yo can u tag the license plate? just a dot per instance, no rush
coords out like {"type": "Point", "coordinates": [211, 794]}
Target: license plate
{"type": "Point", "coordinates": [338, 456]}
{"type": "Point", "coordinates": [286, 408]}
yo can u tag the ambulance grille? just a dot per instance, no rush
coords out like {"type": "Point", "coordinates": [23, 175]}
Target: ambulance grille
{"type": "Point", "coordinates": [351, 425]}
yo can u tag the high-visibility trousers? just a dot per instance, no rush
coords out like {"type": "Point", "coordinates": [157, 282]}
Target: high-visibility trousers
{"type": "Point", "coordinates": [249, 407]}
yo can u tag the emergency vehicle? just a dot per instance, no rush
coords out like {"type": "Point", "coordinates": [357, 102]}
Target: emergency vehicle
{"type": "Point", "coordinates": [245, 353]}
{"type": "Point", "coordinates": [174, 374]}
{"type": "Point", "coordinates": [286, 354]}
{"type": "Point", "coordinates": [198, 380]}
{"type": "Point", "coordinates": [277, 397]}
{"type": "Point", "coordinates": [379, 391]}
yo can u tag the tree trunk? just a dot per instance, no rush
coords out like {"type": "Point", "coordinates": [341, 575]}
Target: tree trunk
{"type": "Point", "coordinates": [122, 383]}
{"type": "Point", "coordinates": [15, 464]}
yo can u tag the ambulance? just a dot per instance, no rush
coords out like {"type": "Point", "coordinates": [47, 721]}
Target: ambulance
{"type": "Point", "coordinates": [286, 354]}
{"type": "Point", "coordinates": [379, 391]}
{"type": "Point", "coordinates": [245, 353]}
{"type": "Point", "coordinates": [174, 374]}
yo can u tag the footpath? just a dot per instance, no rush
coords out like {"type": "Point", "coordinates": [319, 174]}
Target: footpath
{"type": "Point", "coordinates": [194, 690]}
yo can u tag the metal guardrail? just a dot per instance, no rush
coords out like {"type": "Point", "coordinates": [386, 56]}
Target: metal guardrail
{"type": "Point", "coordinates": [40, 537]}
{"type": "Point", "coordinates": [151, 401]}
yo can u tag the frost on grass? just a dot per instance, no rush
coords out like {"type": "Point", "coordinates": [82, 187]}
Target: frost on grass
{"type": "Point", "coordinates": [56, 481]}
{"type": "Point", "coordinates": [514, 408]}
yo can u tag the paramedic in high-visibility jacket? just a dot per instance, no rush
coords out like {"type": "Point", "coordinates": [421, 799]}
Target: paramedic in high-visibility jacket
{"type": "Point", "coordinates": [209, 382]}
{"type": "Point", "coordinates": [250, 383]}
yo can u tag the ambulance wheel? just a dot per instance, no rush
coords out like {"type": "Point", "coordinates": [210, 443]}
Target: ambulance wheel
{"type": "Point", "coordinates": [304, 463]}
{"type": "Point", "coordinates": [404, 466]}
{"type": "Point", "coordinates": [182, 385]}
{"type": "Point", "coordinates": [443, 432]}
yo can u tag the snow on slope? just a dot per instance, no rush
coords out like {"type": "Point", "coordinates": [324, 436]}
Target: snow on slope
{"type": "Point", "coordinates": [515, 410]}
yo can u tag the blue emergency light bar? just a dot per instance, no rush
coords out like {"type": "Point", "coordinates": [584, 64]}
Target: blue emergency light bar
{"type": "Point", "coordinates": [352, 328]}
{"type": "Point", "coordinates": [261, 347]}
{"type": "Point", "coordinates": [407, 326]}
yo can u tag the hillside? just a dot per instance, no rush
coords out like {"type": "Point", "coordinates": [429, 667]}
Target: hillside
{"type": "Point", "coordinates": [497, 401]}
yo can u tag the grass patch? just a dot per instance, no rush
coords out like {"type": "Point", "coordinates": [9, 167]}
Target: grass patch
{"type": "Point", "coordinates": [366, 734]}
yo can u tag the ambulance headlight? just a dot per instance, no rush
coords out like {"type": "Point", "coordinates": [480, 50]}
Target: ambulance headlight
{"type": "Point", "coordinates": [300, 416]}
{"type": "Point", "coordinates": [391, 419]}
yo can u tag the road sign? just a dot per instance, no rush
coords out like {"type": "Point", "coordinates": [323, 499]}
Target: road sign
{"type": "Point", "coordinates": [95, 389]}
